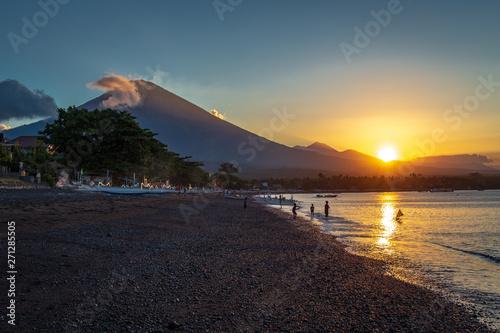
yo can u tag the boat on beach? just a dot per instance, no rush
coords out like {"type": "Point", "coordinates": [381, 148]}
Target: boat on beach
{"type": "Point", "coordinates": [235, 196]}
{"type": "Point", "coordinates": [328, 195]}
{"type": "Point", "coordinates": [441, 190]}
{"type": "Point", "coordinates": [134, 191]}
{"type": "Point", "coordinates": [126, 190]}
{"type": "Point", "coordinates": [267, 199]}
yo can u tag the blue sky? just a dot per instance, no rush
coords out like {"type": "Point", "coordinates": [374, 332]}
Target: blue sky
{"type": "Point", "coordinates": [265, 55]}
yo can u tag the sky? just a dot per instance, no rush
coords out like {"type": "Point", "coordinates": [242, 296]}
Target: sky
{"type": "Point", "coordinates": [422, 77]}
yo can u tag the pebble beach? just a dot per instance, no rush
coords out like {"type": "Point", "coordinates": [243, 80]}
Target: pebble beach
{"type": "Point", "coordinates": [91, 262]}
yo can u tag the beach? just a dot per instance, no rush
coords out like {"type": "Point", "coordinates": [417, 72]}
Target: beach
{"type": "Point", "coordinates": [91, 262]}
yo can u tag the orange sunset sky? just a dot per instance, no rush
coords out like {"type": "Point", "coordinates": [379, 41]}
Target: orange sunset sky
{"type": "Point", "coordinates": [420, 77]}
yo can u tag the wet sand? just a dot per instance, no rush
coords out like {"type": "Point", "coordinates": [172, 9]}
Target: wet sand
{"type": "Point", "coordinates": [90, 262]}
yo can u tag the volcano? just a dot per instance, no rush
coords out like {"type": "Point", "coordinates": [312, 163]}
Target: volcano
{"type": "Point", "coordinates": [191, 131]}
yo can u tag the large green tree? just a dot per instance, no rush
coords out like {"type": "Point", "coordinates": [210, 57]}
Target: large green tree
{"type": "Point", "coordinates": [108, 139]}
{"type": "Point", "coordinates": [227, 176]}
{"type": "Point", "coordinates": [185, 172]}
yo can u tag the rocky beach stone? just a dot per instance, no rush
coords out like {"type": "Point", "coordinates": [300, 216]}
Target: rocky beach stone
{"type": "Point", "coordinates": [216, 268]}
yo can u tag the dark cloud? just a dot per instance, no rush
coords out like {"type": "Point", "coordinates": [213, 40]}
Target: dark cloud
{"type": "Point", "coordinates": [17, 101]}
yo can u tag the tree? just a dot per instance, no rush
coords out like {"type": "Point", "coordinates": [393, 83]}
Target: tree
{"type": "Point", "coordinates": [37, 158]}
{"type": "Point", "coordinates": [4, 154]}
{"type": "Point", "coordinates": [227, 176]}
{"type": "Point", "coordinates": [17, 157]}
{"type": "Point", "coordinates": [185, 172]}
{"type": "Point", "coordinates": [101, 140]}
{"type": "Point", "coordinates": [228, 169]}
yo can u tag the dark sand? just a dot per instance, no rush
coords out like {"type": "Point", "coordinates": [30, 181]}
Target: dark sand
{"type": "Point", "coordinates": [90, 262]}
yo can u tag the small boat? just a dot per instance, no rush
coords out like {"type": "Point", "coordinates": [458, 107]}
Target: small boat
{"type": "Point", "coordinates": [122, 191]}
{"type": "Point", "coordinates": [236, 197]}
{"type": "Point", "coordinates": [399, 214]}
{"type": "Point", "coordinates": [126, 190]}
{"type": "Point", "coordinates": [276, 201]}
{"type": "Point", "coordinates": [441, 190]}
{"type": "Point", "coordinates": [326, 195]}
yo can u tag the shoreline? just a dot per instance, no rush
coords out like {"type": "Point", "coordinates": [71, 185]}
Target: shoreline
{"type": "Point", "coordinates": [375, 191]}
{"type": "Point", "coordinates": [94, 261]}
{"type": "Point", "coordinates": [406, 268]}
{"type": "Point", "coordinates": [412, 277]}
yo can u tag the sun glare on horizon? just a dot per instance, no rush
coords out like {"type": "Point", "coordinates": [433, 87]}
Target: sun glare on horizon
{"type": "Point", "coordinates": [387, 154]}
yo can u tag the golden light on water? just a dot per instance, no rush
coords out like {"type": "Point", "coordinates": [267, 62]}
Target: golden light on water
{"type": "Point", "coordinates": [388, 223]}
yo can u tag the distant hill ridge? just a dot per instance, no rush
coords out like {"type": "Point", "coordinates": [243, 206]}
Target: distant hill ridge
{"type": "Point", "coordinates": [325, 149]}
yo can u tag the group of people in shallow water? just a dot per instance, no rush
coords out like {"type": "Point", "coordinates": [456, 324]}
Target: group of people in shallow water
{"type": "Point", "coordinates": [294, 208]}
{"type": "Point", "coordinates": [327, 209]}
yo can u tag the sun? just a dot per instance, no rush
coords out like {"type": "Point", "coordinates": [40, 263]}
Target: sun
{"type": "Point", "coordinates": [387, 154]}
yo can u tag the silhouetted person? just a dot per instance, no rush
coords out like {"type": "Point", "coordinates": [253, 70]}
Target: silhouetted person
{"type": "Point", "coordinates": [312, 210]}
{"type": "Point", "coordinates": [327, 207]}
{"type": "Point", "coordinates": [294, 210]}
{"type": "Point", "coordinates": [245, 204]}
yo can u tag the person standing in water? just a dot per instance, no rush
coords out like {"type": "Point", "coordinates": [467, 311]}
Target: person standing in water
{"type": "Point", "coordinates": [245, 204]}
{"type": "Point", "coordinates": [294, 210]}
{"type": "Point", "coordinates": [327, 207]}
{"type": "Point", "coordinates": [312, 210]}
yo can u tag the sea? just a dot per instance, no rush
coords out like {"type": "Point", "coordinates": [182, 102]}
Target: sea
{"type": "Point", "coordinates": [445, 241]}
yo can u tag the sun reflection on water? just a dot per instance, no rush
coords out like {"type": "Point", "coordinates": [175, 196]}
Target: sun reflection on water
{"type": "Point", "coordinates": [388, 223]}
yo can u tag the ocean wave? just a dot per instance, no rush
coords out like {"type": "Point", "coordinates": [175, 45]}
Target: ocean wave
{"type": "Point", "coordinates": [479, 254]}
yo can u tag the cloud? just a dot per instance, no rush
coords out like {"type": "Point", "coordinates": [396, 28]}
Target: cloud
{"type": "Point", "coordinates": [17, 102]}
{"type": "Point", "coordinates": [465, 161]}
{"type": "Point", "coordinates": [157, 76]}
{"type": "Point", "coordinates": [217, 114]}
{"type": "Point", "coordinates": [458, 159]}
{"type": "Point", "coordinates": [195, 92]}
{"type": "Point", "coordinates": [122, 92]}
{"type": "Point", "coordinates": [495, 160]}
{"type": "Point", "coordinates": [4, 127]}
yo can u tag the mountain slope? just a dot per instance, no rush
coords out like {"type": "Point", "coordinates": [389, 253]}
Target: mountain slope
{"type": "Point", "coordinates": [192, 131]}
{"type": "Point", "coordinates": [27, 130]}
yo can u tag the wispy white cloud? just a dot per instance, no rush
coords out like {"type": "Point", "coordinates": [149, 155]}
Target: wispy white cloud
{"type": "Point", "coordinates": [156, 75]}
{"type": "Point", "coordinates": [4, 127]}
{"type": "Point", "coordinates": [216, 113]}
{"type": "Point", "coordinates": [188, 89]}
{"type": "Point", "coordinates": [122, 92]}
